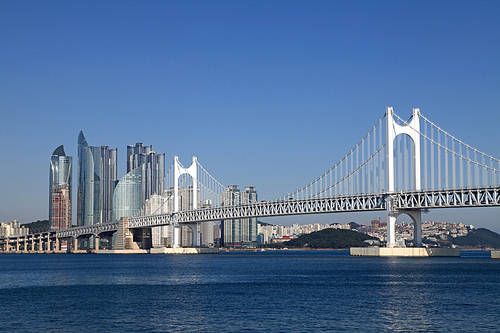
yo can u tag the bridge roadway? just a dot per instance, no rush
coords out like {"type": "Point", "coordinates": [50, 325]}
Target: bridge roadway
{"type": "Point", "coordinates": [449, 198]}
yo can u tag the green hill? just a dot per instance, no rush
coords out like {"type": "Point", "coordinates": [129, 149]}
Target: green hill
{"type": "Point", "coordinates": [479, 238]}
{"type": "Point", "coordinates": [330, 238]}
{"type": "Point", "coordinates": [38, 226]}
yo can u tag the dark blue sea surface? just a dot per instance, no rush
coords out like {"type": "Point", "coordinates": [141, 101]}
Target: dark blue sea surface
{"type": "Point", "coordinates": [274, 291]}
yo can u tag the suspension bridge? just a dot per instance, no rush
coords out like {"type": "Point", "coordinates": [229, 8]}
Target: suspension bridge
{"type": "Point", "coordinates": [400, 166]}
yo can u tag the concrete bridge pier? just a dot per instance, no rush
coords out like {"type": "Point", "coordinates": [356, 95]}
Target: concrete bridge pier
{"type": "Point", "coordinates": [415, 215]}
{"type": "Point", "coordinates": [75, 244]}
{"type": "Point", "coordinates": [177, 236]}
{"type": "Point", "coordinates": [124, 239]}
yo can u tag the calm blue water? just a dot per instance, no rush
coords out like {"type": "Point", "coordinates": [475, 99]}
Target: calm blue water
{"type": "Point", "coordinates": [255, 292]}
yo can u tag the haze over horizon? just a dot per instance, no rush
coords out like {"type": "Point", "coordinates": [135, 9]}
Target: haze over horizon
{"type": "Point", "coordinates": [264, 94]}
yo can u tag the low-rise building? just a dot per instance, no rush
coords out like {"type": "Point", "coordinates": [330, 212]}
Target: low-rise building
{"type": "Point", "coordinates": [12, 229]}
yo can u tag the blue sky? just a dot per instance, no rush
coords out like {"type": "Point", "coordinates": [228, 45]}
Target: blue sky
{"type": "Point", "coordinates": [264, 93]}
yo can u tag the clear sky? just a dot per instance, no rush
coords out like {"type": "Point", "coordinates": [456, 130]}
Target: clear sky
{"type": "Point", "coordinates": [265, 93]}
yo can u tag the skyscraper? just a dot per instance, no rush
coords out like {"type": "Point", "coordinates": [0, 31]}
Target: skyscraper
{"type": "Point", "coordinates": [249, 225]}
{"type": "Point", "coordinates": [237, 232]}
{"type": "Point", "coordinates": [230, 228]}
{"type": "Point", "coordinates": [60, 178]}
{"type": "Point", "coordinates": [153, 168]}
{"type": "Point", "coordinates": [97, 178]}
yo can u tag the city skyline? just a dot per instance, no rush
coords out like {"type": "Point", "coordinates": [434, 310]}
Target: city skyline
{"type": "Point", "coordinates": [299, 108]}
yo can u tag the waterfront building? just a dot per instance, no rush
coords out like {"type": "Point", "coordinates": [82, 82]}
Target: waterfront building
{"type": "Point", "coordinates": [159, 204]}
{"type": "Point", "coordinates": [12, 229]}
{"type": "Point", "coordinates": [208, 230]}
{"type": "Point", "coordinates": [249, 225]}
{"type": "Point", "coordinates": [60, 181]}
{"type": "Point", "coordinates": [230, 228]}
{"type": "Point", "coordinates": [97, 178]}
{"type": "Point", "coordinates": [238, 232]}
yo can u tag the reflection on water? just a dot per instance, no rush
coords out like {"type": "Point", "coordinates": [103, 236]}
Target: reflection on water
{"type": "Point", "coordinates": [271, 292]}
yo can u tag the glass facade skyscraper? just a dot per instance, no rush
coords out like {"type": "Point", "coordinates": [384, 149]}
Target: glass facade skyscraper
{"type": "Point", "coordinates": [127, 197]}
{"type": "Point", "coordinates": [97, 178]}
{"type": "Point", "coordinates": [60, 179]}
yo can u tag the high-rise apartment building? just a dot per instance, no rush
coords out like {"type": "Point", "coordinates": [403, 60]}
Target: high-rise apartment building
{"type": "Point", "coordinates": [238, 232]}
{"type": "Point", "coordinates": [97, 178]}
{"type": "Point", "coordinates": [153, 168]}
{"type": "Point", "coordinates": [248, 226]}
{"type": "Point", "coordinates": [60, 178]}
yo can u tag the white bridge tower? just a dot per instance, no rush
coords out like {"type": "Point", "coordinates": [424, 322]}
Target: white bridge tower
{"type": "Point", "coordinates": [179, 170]}
{"type": "Point", "coordinates": [412, 130]}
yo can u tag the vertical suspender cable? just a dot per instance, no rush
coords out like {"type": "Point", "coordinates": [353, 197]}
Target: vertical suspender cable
{"type": "Point", "coordinates": [431, 146]}
{"type": "Point", "coordinates": [461, 167]}
{"type": "Point", "coordinates": [358, 175]}
{"type": "Point", "coordinates": [453, 166]}
{"type": "Point", "coordinates": [351, 180]}
{"type": "Point", "coordinates": [446, 184]}
{"type": "Point", "coordinates": [469, 171]}
{"type": "Point", "coordinates": [381, 172]}
{"type": "Point", "coordinates": [425, 166]}
{"type": "Point", "coordinates": [368, 169]}
{"type": "Point", "coordinates": [438, 170]}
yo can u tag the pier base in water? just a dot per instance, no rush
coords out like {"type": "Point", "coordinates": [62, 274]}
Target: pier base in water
{"type": "Point", "coordinates": [184, 250]}
{"type": "Point", "coordinates": [403, 252]}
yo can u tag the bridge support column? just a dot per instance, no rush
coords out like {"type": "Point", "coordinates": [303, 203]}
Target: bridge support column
{"type": "Point", "coordinates": [391, 229]}
{"type": "Point", "coordinates": [96, 242]}
{"type": "Point", "coordinates": [124, 240]}
{"type": "Point", "coordinates": [40, 243]}
{"type": "Point", "coordinates": [392, 215]}
{"type": "Point", "coordinates": [33, 243]}
{"type": "Point", "coordinates": [56, 245]}
{"type": "Point", "coordinates": [75, 243]}
{"type": "Point", "coordinates": [7, 247]}
{"type": "Point", "coordinates": [47, 248]}
{"type": "Point", "coordinates": [25, 244]}
{"type": "Point", "coordinates": [177, 236]}
{"type": "Point", "coordinates": [416, 216]}
{"type": "Point", "coordinates": [17, 244]}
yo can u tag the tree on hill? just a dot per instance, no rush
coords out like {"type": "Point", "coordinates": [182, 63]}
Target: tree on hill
{"type": "Point", "coordinates": [331, 238]}
{"type": "Point", "coordinates": [479, 238]}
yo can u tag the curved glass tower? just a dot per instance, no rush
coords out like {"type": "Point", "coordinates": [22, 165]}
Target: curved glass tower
{"type": "Point", "coordinates": [60, 177]}
{"type": "Point", "coordinates": [85, 209]}
{"type": "Point", "coordinates": [96, 181]}
{"type": "Point", "coordinates": [127, 197]}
